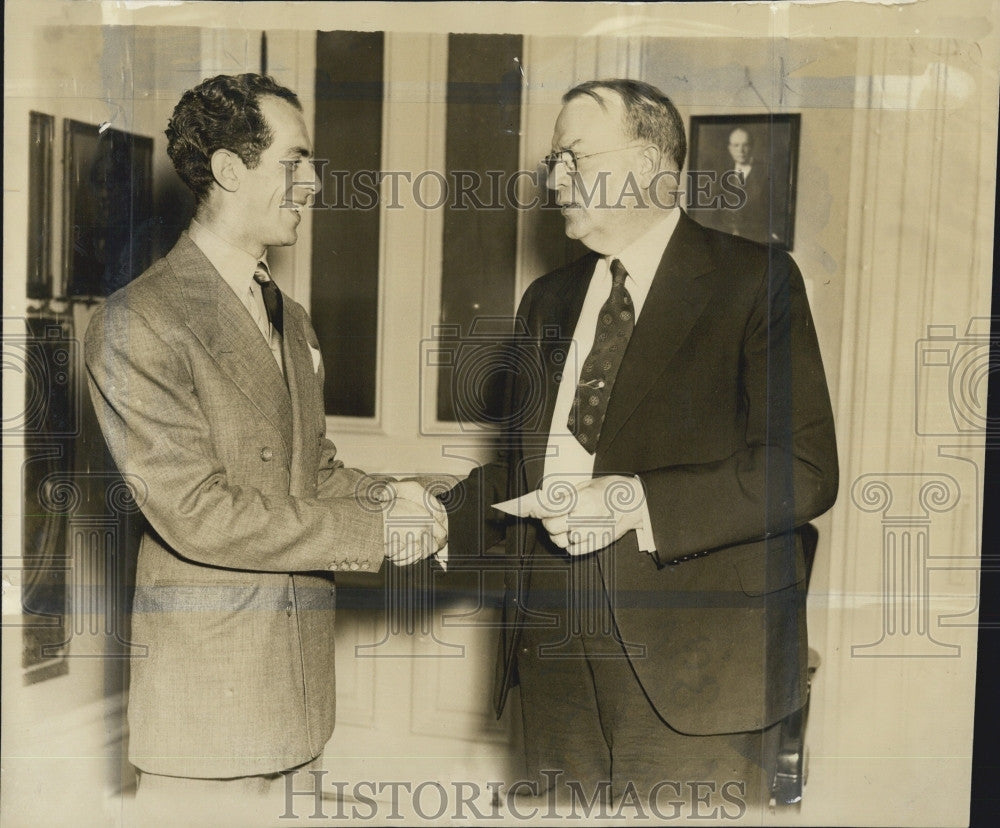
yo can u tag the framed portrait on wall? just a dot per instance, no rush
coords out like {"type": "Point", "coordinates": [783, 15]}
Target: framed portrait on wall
{"type": "Point", "coordinates": [742, 174]}
{"type": "Point", "coordinates": [108, 205]}
{"type": "Point", "coordinates": [41, 134]}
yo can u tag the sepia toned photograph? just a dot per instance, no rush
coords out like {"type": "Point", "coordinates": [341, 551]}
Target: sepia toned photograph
{"type": "Point", "coordinates": [742, 175]}
{"type": "Point", "coordinates": [498, 413]}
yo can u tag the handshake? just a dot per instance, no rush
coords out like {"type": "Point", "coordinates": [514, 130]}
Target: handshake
{"type": "Point", "coordinates": [581, 516]}
{"type": "Point", "coordinates": [416, 524]}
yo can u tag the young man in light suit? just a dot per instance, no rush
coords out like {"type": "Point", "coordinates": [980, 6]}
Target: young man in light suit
{"type": "Point", "coordinates": [207, 382]}
{"type": "Point", "coordinates": [654, 615]}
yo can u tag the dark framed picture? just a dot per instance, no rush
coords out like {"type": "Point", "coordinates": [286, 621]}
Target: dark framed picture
{"type": "Point", "coordinates": [41, 135]}
{"type": "Point", "coordinates": [108, 205]}
{"type": "Point", "coordinates": [741, 175]}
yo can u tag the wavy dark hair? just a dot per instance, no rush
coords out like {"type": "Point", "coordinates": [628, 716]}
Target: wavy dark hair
{"type": "Point", "coordinates": [649, 114]}
{"type": "Point", "coordinates": [221, 113]}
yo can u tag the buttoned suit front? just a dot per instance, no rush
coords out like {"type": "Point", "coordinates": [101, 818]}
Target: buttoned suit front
{"type": "Point", "coordinates": [248, 514]}
{"type": "Point", "coordinates": [721, 409]}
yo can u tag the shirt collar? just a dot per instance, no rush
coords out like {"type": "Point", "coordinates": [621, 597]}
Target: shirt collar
{"type": "Point", "coordinates": [642, 257]}
{"type": "Point", "coordinates": [235, 266]}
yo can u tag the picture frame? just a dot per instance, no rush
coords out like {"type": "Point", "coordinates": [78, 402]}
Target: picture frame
{"type": "Point", "coordinates": [108, 205]}
{"type": "Point", "coordinates": [41, 137]}
{"type": "Point", "coordinates": [742, 175]}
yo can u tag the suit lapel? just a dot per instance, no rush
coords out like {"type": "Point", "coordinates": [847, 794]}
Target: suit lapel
{"type": "Point", "coordinates": [221, 323]}
{"type": "Point", "coordinates": [677, 297]}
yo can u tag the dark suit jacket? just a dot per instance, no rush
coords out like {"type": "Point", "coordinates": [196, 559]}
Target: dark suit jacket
{"type": "Point", "coordinates": [249, 513]}
{"type": "Point", "coordinates": [757, 213]}
{"type": "Point", "coordinates": [721, 408]}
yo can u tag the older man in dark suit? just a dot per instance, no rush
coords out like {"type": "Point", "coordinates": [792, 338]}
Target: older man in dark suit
{"type": "Point", "coordinates": [655, 609]}
{"type": "Point", "coordinates": [748, 171]}
{"type": "Point", "coordinates": [207, 381]}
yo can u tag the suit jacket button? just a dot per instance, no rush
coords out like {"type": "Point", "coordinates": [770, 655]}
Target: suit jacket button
{"type": "Point", "coordinates": [266, 454]}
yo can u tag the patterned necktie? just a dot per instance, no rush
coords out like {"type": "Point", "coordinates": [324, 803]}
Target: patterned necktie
{"type": "Point", "coordinates": [271, 295]}
{"type": "Point", "coordinates": [597, 378]}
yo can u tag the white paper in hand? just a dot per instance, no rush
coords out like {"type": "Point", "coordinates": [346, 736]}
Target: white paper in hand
{"type": "Point", "coordinates": [524, 506]}
{"type": "Point", "coordinates": [558, 498]}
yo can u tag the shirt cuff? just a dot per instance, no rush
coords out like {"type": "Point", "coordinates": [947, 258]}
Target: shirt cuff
{"type": "Point", "coordinates": [644, 532]}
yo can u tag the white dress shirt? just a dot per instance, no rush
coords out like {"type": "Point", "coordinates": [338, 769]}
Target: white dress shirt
{"type": "Point", "coordinates": [565, 457]}
{"type": "Point", "coordinates": [236, 267]}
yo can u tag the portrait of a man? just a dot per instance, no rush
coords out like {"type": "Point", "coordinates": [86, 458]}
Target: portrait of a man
{"type": "Point", "coordinates": [742, 175]}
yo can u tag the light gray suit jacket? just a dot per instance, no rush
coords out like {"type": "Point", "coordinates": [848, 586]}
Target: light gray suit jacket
{"type": "Point", "coordinates": [248, 515]}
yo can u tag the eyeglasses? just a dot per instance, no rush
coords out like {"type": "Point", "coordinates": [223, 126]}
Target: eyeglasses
{"type": "Point", "coordinates": [570, 158]}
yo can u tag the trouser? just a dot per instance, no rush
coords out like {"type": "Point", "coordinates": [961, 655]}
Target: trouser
{"type": "Point", "coordinates": [590, 730]}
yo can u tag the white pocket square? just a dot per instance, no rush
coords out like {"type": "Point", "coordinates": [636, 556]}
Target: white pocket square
{"type": "Point", "coordinates": [315, 354]}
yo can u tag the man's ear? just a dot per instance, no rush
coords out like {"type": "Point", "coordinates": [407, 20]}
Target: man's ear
{"type": "Point", "coordinates": [226, 169]}
{"type": "Point", "coordinates": [649, 165]}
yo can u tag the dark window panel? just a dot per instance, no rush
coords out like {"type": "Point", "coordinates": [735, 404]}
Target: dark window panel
{"type": "Point", "coordinates": [480, 245]}
{"type": "Point", "coordinates": [345, 245]}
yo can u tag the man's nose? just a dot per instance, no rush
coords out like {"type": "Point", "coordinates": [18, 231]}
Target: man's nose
{"type": "Point", "coordinates": [314, 182]}
{"type": "Point", "coordinates": [556, 176]}
{"type": "Point", "coordinates": [301, 176]}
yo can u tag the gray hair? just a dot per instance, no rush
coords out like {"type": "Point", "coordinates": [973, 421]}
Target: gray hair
{"type": "Point", "coordinates": [649, 114]}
